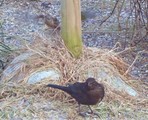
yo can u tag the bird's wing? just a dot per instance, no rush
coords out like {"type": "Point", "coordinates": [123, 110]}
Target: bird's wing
{"type": "Point", "coordinates": [79, 92]}
{"type": "Point", "coordinates": [78, 87]}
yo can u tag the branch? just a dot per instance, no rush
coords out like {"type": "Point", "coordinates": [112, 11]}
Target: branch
{"type": "Point", "coordinates": [110, 13]}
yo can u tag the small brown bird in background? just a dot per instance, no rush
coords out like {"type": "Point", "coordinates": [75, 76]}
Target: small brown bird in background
{"type": "Point", "coordinates": [87, 93]}
{"type": "Point", "coordinates": [51, 22]}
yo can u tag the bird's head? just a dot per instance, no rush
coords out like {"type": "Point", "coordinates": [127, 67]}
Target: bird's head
{"type": "Point", "coordinates": [91, 82]}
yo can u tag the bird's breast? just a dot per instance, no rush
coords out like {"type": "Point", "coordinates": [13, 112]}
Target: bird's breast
{"type": "Point", "coordinates": [95, 96]}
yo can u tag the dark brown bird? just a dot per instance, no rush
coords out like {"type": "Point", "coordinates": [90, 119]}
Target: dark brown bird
{"type": "Point", "coordinates": [87, 93]}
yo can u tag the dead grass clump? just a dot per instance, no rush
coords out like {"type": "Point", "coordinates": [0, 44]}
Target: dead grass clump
{"type": "Point", "coordinates": [55, 55]}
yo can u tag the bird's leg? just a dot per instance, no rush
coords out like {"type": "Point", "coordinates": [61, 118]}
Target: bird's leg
{"type": "Point", "coordinates": [84, 114]}
{"type": "Point", "coordinates": [81, 113]}
{"type": "Point", "coordinates": [91, 111]}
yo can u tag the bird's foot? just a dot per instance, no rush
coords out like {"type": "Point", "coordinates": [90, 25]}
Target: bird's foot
{"type": "Point", "coordinates": [93, 114]}
{"type": "Point", "coordinates": [87, 114]}
{"type": "Point", "coordinates": [83, 114]}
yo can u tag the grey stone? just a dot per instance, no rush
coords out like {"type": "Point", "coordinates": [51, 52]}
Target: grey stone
{"type": "Point", "coordinates": [15, 66]}
{"type": "Point", "coordinates": [38, 76]}
{"type": "Point", "coordinates": [113, 79]}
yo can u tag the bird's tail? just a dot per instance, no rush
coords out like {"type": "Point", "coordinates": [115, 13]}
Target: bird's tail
{"type": "Point", "coordinates": [63, 88]}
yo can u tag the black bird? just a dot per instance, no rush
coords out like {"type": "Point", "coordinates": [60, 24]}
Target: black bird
{"type": "Point", "coordinates": [87, 93]}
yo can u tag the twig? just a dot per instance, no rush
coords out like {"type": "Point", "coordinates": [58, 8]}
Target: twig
{"type": "Point", "coordinates": [110, 13]}
{"type": "Point", "coordinates": [140, 11]}
{"type": "Point", "coordinates": [138, 41]}
{"type": "Point", "coordinates": [125, 50]}
{"type": "Point", "coordinates": [136, 58]}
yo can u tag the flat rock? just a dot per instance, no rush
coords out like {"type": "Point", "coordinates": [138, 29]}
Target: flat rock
{"type": "Point", "coordinates": [15, 66]}
{"type": "Point", "coordinates": [41, 75]}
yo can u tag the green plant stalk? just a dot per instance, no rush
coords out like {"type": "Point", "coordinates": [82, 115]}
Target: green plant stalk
{"type": "Point", "coordinates": [71, 26]}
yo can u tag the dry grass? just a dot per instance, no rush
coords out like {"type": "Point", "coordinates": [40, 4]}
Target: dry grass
{"type": "Point", "coordinates": [20, 100]}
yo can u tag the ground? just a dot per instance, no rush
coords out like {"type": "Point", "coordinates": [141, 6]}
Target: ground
{"type": "Point", "coordinates": [19, 23]}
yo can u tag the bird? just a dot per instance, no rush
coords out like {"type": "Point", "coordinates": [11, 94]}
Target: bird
{"type": "Point", "coordinates": [51, 22]}
{"type": "Point", "coordinates": [88, 93]}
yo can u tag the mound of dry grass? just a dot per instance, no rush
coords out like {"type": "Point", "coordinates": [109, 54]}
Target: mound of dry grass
{"type": "Point", "coordinates": [27, 101]}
